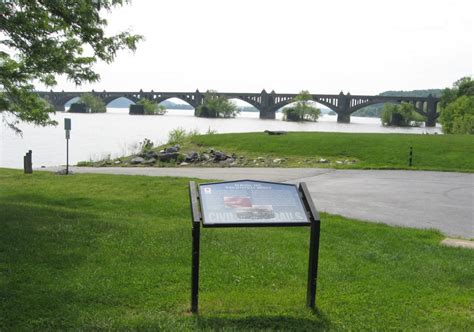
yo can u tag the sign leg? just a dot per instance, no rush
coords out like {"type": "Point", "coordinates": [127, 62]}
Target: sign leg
{"type": "Point", "coordinates": [67, 156]}
{"type": "Point", "coordinates": [313, 263]}
{"type": "Point", "coordinates": [195, 267]}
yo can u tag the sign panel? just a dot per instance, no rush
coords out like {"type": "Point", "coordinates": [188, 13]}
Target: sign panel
{"type": "Point", "coordinates": [67, 124]}
{"type": "Point", "coordinates": [241, 203]}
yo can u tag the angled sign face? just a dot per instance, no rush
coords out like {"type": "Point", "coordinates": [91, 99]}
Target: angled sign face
{"type": "Point", "coordinates": [251, 203]}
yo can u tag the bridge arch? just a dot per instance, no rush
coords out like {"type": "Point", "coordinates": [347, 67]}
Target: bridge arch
{"type": "Point", "coordinates": [170, 99]}
{"type": "Point", "coordinates": [108, 99]}
{"type": "Point", "coordinates": [285, 103]}
{"type": "Point", "coordinates": [110, 102]}
{"type": "Point", "coordinates": [420, 106]}
{"type": "Point", "coordinates": [68, 101]}
{"type": "Point", "coordinates": [244, 103]}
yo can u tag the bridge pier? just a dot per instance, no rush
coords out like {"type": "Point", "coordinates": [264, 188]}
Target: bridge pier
{"type": "Point", "coordinates": [59, 107]}
{"type": "Point", "coordinates": [267, 115]}
{"type": "Point", "coordinates": [431, 115]}
{"type": "Point", "coordinates": [431, 120]}
{"type": "Point", "coordinates": [343, 118]}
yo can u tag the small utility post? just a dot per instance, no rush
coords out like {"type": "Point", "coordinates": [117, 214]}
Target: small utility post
{"type": "Point", "coordinates": [410, 157]}
{"type": "Point", "coordinates": [28, 163]}
{"type": "Point", "coordinates": [67, 127]}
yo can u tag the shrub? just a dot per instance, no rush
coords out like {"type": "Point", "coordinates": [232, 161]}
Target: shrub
{"type": "Point", "coordinates": [152, 108]}
{"type": "Point", "coordinates": [458, 116]}
{"type": "Point", "coordinates": [176, 135]}
{"type": "Point", "coordinates": [402, 115]}
{"type": "Point", "coordinates": [302, 110]}
{"type": "Point", "coordinates": [146, 145]}
{"type": "Point", "coordinates": [215, 106]}
{"type": "Point", "coordinates": [95, 104]}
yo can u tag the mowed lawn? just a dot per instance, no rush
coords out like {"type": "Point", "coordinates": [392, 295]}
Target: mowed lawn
{"type": "Point", "coordinates": [114, 252]}
{"type": "Point", "coordinates": [389, 151]}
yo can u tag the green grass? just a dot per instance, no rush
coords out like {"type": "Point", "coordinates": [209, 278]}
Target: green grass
{"type": "Point", "coordinates": [379, 151]}
{"type": "Point", "coordinates": [113, 252]}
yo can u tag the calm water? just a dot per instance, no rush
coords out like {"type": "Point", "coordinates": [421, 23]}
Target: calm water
{"type": "Point", "coordinates": [115, 133]}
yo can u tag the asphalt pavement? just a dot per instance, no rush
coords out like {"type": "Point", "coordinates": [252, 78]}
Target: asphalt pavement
{"type": "Point", "coordinates": [420, 199]}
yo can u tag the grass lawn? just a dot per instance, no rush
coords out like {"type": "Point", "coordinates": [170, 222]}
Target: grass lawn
{"type": "Point", "coordinates": [430, 152]}
{"type": "Point", "coordinates": [114, 252]}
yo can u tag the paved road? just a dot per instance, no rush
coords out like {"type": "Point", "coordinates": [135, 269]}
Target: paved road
{"type": "Point", "coordinates": [439, 200]}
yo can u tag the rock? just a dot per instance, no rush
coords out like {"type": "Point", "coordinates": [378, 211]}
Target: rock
{"type": "Point", "coordinates": [260, 158]}
{"type": "Point", "coordinates": [323, 161]}
{"type": "Point", "coordinates": [191, 157]}
{"type": "Point", "coordinates": [275, 132]}
{"type": "Point", "coordinates": [167, 156]}
{"type": "Point", "coordinates": [63, 172]}
{"type": "Point", "coordinates": [172, 149]}
{"type": "Point", "coordinates": [137, 160]}
{"type": "Point", "coordinates": [339, 162]}
{"type": "Point", "coordinates": [219, 156]}
{"type": "Point", "coordinates": [205, 157]}
{"type": "Point", "coordinates": [150, 161]}
{"type": "Point", "coordinates": [184, 164]}
{"type": "Point", "coordinates": [151, 155]}
{"type": "Point", "coordinates": [227, 161]}
{"type": "Point", "coordinates": [117, 162]}
{"type": "Point", "coordinates": [277, 161]}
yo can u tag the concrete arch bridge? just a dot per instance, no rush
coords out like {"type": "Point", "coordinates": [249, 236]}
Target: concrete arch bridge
{"type": "Point", "coordinates": [267, 103]}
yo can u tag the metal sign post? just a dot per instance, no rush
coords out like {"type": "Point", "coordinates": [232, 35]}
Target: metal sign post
{"type": "Point", "coordinates": [67, 127]}
{"type": "Point", "coordinates": [249, 203]}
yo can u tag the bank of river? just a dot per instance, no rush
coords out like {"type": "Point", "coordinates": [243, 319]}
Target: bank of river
{"type": "Point", "coordinates": [94, 136]}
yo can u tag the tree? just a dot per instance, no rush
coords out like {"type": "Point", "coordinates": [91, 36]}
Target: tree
{"type": "Point", "coordinates": [152, 108]}
{"type": "Point", "coordinates": [457, 107]}
{"type": "Point", "coordinates": [302, 110]}
{"type": "Point", "coordinates": [95, 104]}
{"type": "Point", "coordinates": [215, 106]}
{"type": "Point", "coordinates": [462, 87]}
{"type": "Point", "coordinates": [46, 38]}
{"type": "Point", "coordinates": [402, 115]}
{"type": "Point", "coordinates": [458, 116]}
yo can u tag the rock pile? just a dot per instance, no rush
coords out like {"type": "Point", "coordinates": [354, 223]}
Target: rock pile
{"type": "Point", "coordinates": [207, 157]}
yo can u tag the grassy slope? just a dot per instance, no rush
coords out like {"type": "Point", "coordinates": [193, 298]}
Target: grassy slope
{"type": "Point", "coordinates": [95, 251]}
{"type": "Point", "coordinates": [430, 152]}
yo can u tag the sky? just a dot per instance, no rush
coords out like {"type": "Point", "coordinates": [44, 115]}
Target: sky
{"type": "Point", "coordinates": [361, 47]}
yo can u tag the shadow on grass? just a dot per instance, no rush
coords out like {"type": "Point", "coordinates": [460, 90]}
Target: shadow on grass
{"type": "Point", "coordinates": [284, 323]}
{"type": "Point", "coordinates": [41, 249]}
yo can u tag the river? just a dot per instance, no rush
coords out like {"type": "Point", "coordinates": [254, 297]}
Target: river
{"type": "Point", "coordinates": [115, 133]}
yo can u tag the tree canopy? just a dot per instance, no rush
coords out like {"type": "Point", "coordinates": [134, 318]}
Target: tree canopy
{"type": "Point", "coordinates": [93, 103]}
{"type": "Point", "coordinates": [302, 109]}
{"type": "Point", "coordinates": [457, 107]}
{"type": "Point", "coordinates": [152, 108]}
{"type": "Point", "coordinates": [46, 38]}
{"type": "Point", "coordinates": [401, 115]}
{"type": "Point", "coordinates": [215, 106]}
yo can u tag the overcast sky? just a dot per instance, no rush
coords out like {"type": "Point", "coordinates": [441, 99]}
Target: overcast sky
{"type": "Point", "coordinates": [364, 47]}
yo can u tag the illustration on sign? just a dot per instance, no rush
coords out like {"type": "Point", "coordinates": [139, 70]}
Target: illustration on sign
{"type": "Point", "coordinates": [251, 202]}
